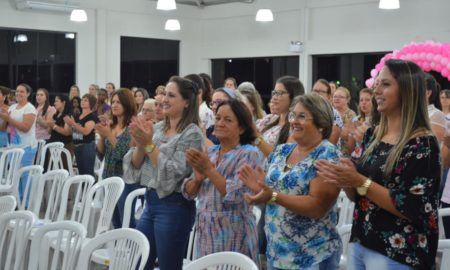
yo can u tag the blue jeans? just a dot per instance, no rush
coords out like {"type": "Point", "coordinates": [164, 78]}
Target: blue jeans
{"type": "Point", "coordinates": [117, 217]}
{"type": "Point", "coordinates": [85, 157]}
{"type": "Point", "coordinates": [330, 263]}
{"type": "Point", "coordinates": [27, 160]}
{"type": "Point", "coordinates": [362, 258]}
{"type": "Point", "coordinates": [167, 223]}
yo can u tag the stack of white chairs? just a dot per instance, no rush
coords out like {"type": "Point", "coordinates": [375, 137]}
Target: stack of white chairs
{"type": "Point", "coordinates": [222, 260]}
{"type": "Point", "coordinates": [15, 229]}
{"type": "Point", "coordinates": [10, 161]}
{"type": "Point", "coordinates": [128, 250]}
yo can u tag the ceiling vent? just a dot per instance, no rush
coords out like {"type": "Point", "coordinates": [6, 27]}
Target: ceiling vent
{"type": "Point", "coordinates": [42, 5]}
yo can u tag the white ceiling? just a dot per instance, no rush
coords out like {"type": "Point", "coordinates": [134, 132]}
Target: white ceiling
{"type": "Point", "coordinates": [204, 3]}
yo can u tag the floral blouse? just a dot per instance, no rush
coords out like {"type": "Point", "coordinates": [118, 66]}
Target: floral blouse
{"type": "Point", "coordinates": [295, 241]}
{"type": "Point", "coordinates": [413, 188]}
{"type": "Point", "coordinates": [270, 135]}
{"type": "Point", "coordinates": [114, 156]}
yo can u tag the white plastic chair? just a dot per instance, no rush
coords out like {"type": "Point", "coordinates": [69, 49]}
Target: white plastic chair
{"type": "Point", "coordinates": [128, 249]}
{"type": "Point", "coordinates": [40, 148]}
{"type": "Point", "coordinates": [128, 205]}
{"type": "Point", "coordinates": [82, 184]}
{"type": "Point", "coordinates": [226, 260]}
{"type": "Point", "coordinates": [55, 181]}
{"type": "Point", "coordinates": [67, 235]}
{"type": "Point", "coordinates": [344, 232]}
{"type": "Point", "coordinates": [112, 188]}
{"type": "Point", "coordinates": [34, 174]}
{"type": "Point", "coordinates": [444, 247]}
{"type": "Point", "coordinates": [192, 244]}
{"type": "Point", "coordinates": [257, 213]}
{"type": "Point", "coordinates": [16, 226]}
{"type": "Point", "coordinates": [345, 212]}
{"type": "Point", "coordinates": [10, 160]}
{"type": "Point", "coordinates": [7, 204]}
{"type": "Point", "coordinates": [443, 212]}
{"type": "Point", "coordinates": [99, 165]}
{"type": "Point", "coordinates": [56, 156]}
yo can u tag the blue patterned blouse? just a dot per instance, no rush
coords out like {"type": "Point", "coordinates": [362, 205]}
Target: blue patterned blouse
{"type": "Point", "coordinates": [295, 241]}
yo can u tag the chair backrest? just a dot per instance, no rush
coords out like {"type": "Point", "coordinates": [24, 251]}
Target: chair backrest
{"type": "Point", "coordinates": [67, 235]}
{"type": "Point", "coordinates": [82, 184]}
{"type": "Point", "coordinates": [444, 247]}
{"type": "Point", "coordinates": [7, 204]}
{"type": "Point", "coordinates": [345, 232]}
{"type": "Point", "coordinates": [128, 249]}
{"type": "Point", "coordinates": [192, 243]}
{"type": "Point", "coordinates": [10, 161]}
{"type": "Point", "coordinates": [112, 188]}
{"type": "Point", "coordinates": [257, 213]}
{"type": "Point", "coordinates": [443, 212]}
{"type": "Point", "coordinates": [33, 174]}
{"type": "Point", "coordinates": [99, 165]}
{"type": "Point", "coordinates": [55, 181]}
{"type": "Point", "coordinates": [40, 148]}
{"type": "Point", "coordinates": [346, 212]}
{"type": "Point", "coordinates": [128, 205]}
{"type": "Point", "coordinates": [19, 224]}
{"type": "Point", "coordinates": [51, 150]}
{"type": "Point", "coordinates": [226, 260]}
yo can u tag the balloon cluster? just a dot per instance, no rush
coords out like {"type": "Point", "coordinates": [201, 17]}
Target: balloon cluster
{"type": "Point", "coordinates": [429, 55]}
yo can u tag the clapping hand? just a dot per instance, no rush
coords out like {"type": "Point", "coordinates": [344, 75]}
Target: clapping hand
{"type": "Point", "coordinates": [141, 131]}
{"type": "Point", "coordinates": [199, 161]}
{"type": "Point", "coordinates": [103, 128]}
{"type": "Point", "coordinates": [69, 120]}
{"type": "Point", "coordinates": [254, 179]}
{"type": "Point", "coordinates": [4, 115]}
{"type": "Point", "coordinates": [343, 174]}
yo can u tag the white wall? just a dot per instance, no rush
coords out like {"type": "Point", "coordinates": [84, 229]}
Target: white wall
{"type": "Point", "coordinates": [228, 31]}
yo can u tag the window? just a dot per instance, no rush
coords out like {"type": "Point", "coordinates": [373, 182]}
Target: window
{"type": "Point", "coordinates": [147, 62]}
{"type": "Point", "coordinates": [42, 59]}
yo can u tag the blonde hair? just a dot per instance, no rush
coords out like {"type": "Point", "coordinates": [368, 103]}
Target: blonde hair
{"type": "Point", "coordinates": [346, 92]}
{"type": "Point", "coordinates": [414, 113]}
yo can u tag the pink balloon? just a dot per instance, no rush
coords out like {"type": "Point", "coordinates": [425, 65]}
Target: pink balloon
{"type": "Point", "coordinates": [448, 66]}
{"type": "Point", "coordinates": [426, 67]}
{"type": "Point", "coordinates": [438, 67]}
{"type": "Point", "coordinates": [437, 58]}
{"type": "Point", "coordinates": [369, 82]}
{"type": "Point", "coordinates": [429, 57]}
{"type": "Point", "coordinates": [444, 61]}
{"type": "Point", "coordinates": [445, 72]}
{"type": "Point", "coordinates": [373, 73]}
{"type": "Point", "coordinates": [378, 67]}
{"type": "Point", "coordinates": [423, 56]}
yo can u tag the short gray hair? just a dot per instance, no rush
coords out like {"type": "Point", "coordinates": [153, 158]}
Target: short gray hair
{"type": "Point", "coordinates": [321, 111]}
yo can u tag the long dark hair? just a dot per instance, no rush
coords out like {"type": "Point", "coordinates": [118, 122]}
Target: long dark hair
{"type": "Point", "coordinates": [244, 118]}
{"type": "Point", "coordinates": [126, 99]}
{"type": "Point", "coordinates": [189, 91]}
{"type": "Point", "coordinates": [295, 88]}
{"type": "Point", "coordinates": [47, 100]}
{"type": "Point", "coordinates": [67, 105]}
{"type": "Point", "coordinates": [207, 92]}
{"type": "Point", "coordinates": [433, 86]}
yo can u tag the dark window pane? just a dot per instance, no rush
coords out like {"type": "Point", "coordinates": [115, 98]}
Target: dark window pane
{"type": "Point", "coordinates": [147, 63]}
{"type": "Point", "coordinates": [39, 58]}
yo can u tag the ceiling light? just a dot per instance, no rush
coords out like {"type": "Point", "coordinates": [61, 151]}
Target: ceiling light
{"type": "Point", "coordinates": [264, 15]}
{"type": "Point", "coordinates": [389, 4]}
{"type": "Point", "coordinates": [78, 15]}
{"type": "Point", "coordinates": [166, 5]}
{"type": "Point", "coordinates": [172, 25]}
{"type": "Point", "coordinates": [20, 38]}
{"type": "Point", "coordinates": [70, 35]}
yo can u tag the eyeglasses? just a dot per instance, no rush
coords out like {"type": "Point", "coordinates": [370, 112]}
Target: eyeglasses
{"type": "Point", "coordinates": [217, 102]}
{"type": "Point", "coordinates": [339, 97]}
{"type": "Point", "coordinates": [147, 110]}
{"type": "Point", "coordinates": [278, 93]}
{"type": "Point", "coordinates": [301, 117]}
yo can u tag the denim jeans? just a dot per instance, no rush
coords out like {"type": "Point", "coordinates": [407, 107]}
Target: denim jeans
{"type": "Point", "coordinates": [117, 217]}
{"type": "Point", "coordinates": [330, 263]}
{"type": "Point", "coordinates": [85, 157]}
{"type": "Point", "coordinates": [167, 223]}
{"type": "Point", "coordinates": [27, 160]}
{"type": "Point", "coordinates": [362, 258]}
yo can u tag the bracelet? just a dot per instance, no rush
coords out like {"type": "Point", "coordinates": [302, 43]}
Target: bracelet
{"type": "Point", "coordinates": [273, 199]}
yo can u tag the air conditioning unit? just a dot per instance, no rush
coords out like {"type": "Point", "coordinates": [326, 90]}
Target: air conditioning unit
{"type": "Point", "coordinates": [46, 6]}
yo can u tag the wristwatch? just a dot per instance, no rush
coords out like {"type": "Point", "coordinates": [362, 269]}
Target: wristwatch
{"type": "Point", "coordinates": [149, 148]}
{"type": "Point", "coordinates": [362, 190]}
{"type": "Point", "coordinates": [273, 199]}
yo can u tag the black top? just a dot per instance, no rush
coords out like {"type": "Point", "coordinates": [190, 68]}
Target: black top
{"type": "Point", "coordinates": [210, 135]}
{"type": "Point", "coordinates": [58, 137]}
{"type": "Point", "coordinates": [78, 138]}
{"type": "Point", "coordinates": [413, 188]}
